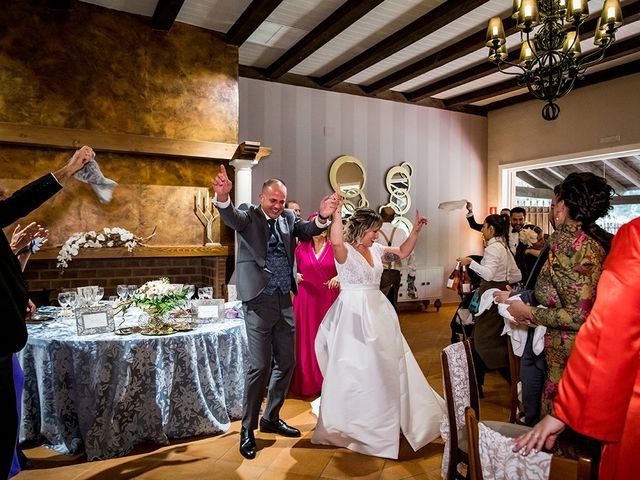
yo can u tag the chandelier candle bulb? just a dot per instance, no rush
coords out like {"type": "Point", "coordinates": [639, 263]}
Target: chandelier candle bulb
{"type": "Point", "coordinates": [611, 14]}
{"type": "Point", "coordinates": [527, 53]}
{"type": "Point", "coordinates": [578, 10]}
{"type": "Point", "coordinates": [572, 44]}
{"type": "Point", "coordinates": [515, 10]}
{"type": "Point", "coordinates": [528, 16]}
{"type": "Point", "coordinates": [495, 33]}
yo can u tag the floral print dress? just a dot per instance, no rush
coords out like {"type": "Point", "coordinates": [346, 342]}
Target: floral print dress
{"type": "Point", "coordinates": [567, 288]}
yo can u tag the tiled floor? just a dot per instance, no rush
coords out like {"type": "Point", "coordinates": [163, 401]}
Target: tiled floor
{"type": "Point", "coordinates": [281, 458]}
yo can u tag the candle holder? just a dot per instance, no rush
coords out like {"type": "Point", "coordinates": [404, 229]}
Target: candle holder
{"type": "Point", "coordinates": [206, 215]}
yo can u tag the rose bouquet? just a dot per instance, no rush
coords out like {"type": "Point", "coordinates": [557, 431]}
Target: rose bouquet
{"type": "Point", "coordinates": [159, 297]}
{"type": "Point", "coordinates": [528, 236]}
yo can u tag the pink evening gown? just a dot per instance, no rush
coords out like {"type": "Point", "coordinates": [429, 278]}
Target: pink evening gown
{"type": "Point", "coordinates": [309, 306]}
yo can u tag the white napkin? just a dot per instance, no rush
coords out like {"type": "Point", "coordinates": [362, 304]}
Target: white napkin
{"type": "Point", "coordinates": [518, 333]}
{"type": "Point", "coordinates": [486, 300]}
{"type": "Point", "coordinates": [101, 185]}
{"type": "Point", "coordinates": [453, 205]}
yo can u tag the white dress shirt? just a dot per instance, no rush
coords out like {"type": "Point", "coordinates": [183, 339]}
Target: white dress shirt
{"type": "Point", "coordinates": [497, 263]}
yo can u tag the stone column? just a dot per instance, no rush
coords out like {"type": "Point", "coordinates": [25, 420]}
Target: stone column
{"type": "Point", "coordinates": [243, 180]}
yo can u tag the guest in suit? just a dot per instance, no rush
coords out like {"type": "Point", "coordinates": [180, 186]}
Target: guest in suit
{"type": "Point", "coordinates": [472, 220]}
{"type": "Point", "coordinates": [14, 299]}
{"type": "Point", "coordinates": [391, 236]}
{"type": "Point", "coordinates": [265, 269]}
{"type": "Point", "coordinates": [599, 392]}
{"type": "Point", "coordinates": [295, 206]}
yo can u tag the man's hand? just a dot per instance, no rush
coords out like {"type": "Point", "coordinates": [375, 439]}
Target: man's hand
{"type": "Point", "coordinates": [419, 222]}
{"type": "Point", "coordinates": [75, 163]}
{"type": "Point", "coordinates": [222, 185]}
{"type": "Point", "coordinates": [328, 206]}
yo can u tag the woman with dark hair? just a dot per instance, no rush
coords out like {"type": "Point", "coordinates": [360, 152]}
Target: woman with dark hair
{"type": "Point", "coordinates": [373, 389]}
{"type": "Point", "coordinates": [566, 287]}
{"type": "Point", "coordinates": [498, 269]}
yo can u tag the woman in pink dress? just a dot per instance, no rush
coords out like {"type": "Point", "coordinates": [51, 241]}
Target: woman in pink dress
{"type": "Point", "coordinates": [318, 287]}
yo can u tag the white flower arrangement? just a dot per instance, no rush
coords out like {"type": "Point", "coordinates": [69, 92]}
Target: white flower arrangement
{"type": "Point", "coordinates": [107, 237]}
{"type": "Point", "coordinates": [528, 236]}
{"type": "Point", "coordinates": [160, 296]}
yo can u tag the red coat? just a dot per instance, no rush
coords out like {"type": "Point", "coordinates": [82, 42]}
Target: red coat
{"type": "Point", "coordinates": [599, 394]}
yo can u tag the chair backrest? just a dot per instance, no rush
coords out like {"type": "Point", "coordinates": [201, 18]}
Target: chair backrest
{"type": "Point", "coordinates": [561, 468]}
{"type": "Point", "coordinates": [516, 414]}
{"type": "Point", "coordinates": [461, 391]}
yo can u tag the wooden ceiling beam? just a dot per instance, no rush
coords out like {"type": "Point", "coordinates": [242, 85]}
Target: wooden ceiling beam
{"type": "Point", "coordinates": [630, 173]}
{"type": "Point", "coordinates": [459, 49]}
{"type": "Point", "coordinates": [165, 14]}
{"type": "Point", "coordinates": [531, 180]}
{"type": "Point", "coordinates": [596, 170]}
{"type": "Point", "coordinates": [545, 177]}
{"type": "Point", "coordinates": [433, 20]}
{"type": "Point", "coordinates": [630, 12]}
{"type": "Point", "coordinates": [556, 174]}
{"type": "Point", "coordinates": [60, 4]}
{"type": "Point", "coordinates": [342, 18]}
{"type": "Point", "coordinates": [256, 13]}
{"type": "Point", "coordinates": [592, 79]}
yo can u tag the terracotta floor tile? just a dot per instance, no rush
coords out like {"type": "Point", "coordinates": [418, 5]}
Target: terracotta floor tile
{"type": "Point", "coordinates": [347, 464]}
{"type": "Point", "coordinates": [303, 458]}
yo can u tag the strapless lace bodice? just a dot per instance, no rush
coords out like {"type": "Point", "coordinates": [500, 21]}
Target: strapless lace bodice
{"type": "Point", "coordinates": [357, 271]}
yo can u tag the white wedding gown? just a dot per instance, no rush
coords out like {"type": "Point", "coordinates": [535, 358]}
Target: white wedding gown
{"type": "Point", "coordinates": [373, 388]}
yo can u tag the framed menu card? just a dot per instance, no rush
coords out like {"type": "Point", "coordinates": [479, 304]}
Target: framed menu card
{"type": "Point", "coordinates": [94, 319]}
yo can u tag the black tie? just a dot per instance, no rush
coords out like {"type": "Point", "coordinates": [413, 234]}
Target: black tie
{"type": "Point", "coordinates": [513, 230]}
{"type": "Point", "coordinates": [273, 237]}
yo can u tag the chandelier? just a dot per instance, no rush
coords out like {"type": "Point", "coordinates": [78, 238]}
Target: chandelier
{"type": "Point", "coordinates": [551, 59]}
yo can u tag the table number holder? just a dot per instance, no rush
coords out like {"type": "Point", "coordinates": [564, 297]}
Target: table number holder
{"type": "Point", "coordinates": [205, 212]}
{"type": "Point", "coordinates": [94, 319]}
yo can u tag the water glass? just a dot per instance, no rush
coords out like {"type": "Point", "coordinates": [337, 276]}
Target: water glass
{"type": "Point", "coordinates": [123, 292]}
{"type": "Point", "coordinates": [99, 293]}
{"type": "Point", "coordinates": [132, 289]}
{"type": "Point", "coordinates": [205, 293]}
{"type": "Point", "coordinates": [190, 291]}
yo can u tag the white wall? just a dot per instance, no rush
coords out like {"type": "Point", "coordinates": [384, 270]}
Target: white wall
{"type": "Point", "coordinates": [307, 129]}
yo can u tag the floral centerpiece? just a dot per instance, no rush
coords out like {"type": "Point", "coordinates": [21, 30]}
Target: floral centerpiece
{"type": "Point", "coordinates": [107, 237]}
{"type": "Point", "coordinates": [158, 298]}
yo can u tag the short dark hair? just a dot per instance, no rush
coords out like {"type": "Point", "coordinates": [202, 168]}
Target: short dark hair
{"type": "Point", "coordinates": [387, 213]}
{"type": "Point", "coordinates": [270, 181]}
{"type": "Point", "coordinates": [289, 202]}
{"type": "Point", "coordinates": [518, 210]}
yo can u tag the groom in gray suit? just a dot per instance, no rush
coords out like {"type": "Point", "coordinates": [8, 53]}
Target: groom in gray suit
{"type": "Point", "coordinates": [265, 274]}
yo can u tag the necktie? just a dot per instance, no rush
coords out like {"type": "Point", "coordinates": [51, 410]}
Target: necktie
{"type": "Point", "coordinates": [273, 237]}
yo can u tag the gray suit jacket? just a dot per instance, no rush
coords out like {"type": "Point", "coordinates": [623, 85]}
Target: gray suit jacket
{"type": "Point", "coordinates": [253, 234]}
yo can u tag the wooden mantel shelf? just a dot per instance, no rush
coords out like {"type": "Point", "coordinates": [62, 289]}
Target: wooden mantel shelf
{"type": "Point", "coordinates": [151, 251]}
{"type": "Point", "coordinates": [71, 138]}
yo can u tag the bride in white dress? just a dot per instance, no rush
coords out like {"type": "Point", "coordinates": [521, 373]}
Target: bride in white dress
{"type": "Point", "coordinates": [373, 388]}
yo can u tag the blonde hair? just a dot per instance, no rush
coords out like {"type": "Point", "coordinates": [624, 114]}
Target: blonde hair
{"type": "Point", "coordinates": [362, 220]}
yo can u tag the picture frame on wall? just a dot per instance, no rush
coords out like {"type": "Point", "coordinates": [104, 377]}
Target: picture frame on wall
{"type": "Point", "coordinates": [94, 319]}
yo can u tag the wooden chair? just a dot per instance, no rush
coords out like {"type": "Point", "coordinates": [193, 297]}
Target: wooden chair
{"type": "Point", "coordinates": [516, 414]}
{"type": "Point", "coordinates": [561, 468]}
{"type": "Point", "coordinates": [460, 390]}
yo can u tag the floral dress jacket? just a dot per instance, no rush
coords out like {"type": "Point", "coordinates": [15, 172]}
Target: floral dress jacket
{"type": "Point", "coordinates": [567, 288]}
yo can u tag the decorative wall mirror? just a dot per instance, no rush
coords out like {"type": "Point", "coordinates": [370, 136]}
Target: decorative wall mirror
{"type": "Point", "coordinates": [398, 183]}
{"type": "Point", "coordinates": [347, 176]}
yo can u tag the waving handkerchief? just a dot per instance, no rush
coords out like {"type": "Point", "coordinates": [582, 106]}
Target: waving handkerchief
{"type": "Point", "coordinates": [92, 175]}
{"type": "Point", "coordinates": [453, 205]}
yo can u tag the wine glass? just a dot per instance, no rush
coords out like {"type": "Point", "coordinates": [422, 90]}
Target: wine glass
{"type": "Point", "coordinates": [98, 294]}
{"type": "Point", "coordinates": [63, 300]}
{"type": "Point", "coordinates": [72, 300]}
{"type": "Point", "coordinates": [132, 289]}
{"type": "Point", "coordinates": [205, 293]}
{"type": "Point", "coordinates": [190, 291]}
{"type": "Point", "coordinates": [123, 292]}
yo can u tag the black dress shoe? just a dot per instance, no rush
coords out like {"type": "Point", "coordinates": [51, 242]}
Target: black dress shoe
{"type": "Point", "coordinates": [278, 427]}
{"type": "Point", "coordinates": [247, 444]}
